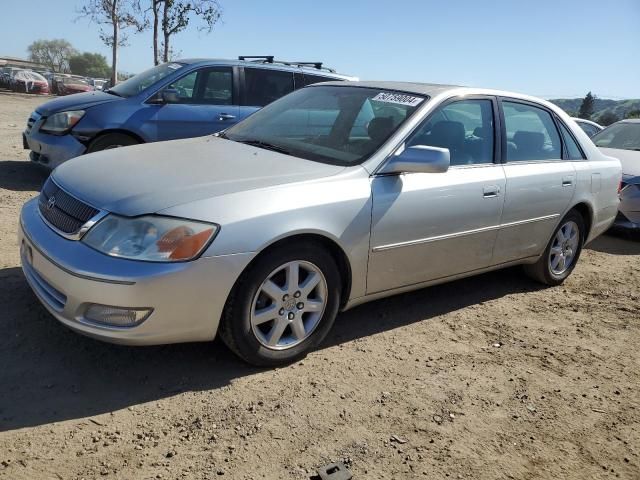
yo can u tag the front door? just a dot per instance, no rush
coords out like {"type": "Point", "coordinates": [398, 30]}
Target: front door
{"type": "Point", "coordinates": [205, 105]}
{"type": "Point", "coordinates": [429, 226]}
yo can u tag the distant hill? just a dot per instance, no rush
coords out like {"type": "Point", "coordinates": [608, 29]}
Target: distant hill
{"type": "Point", "coordinates": [620, 108]}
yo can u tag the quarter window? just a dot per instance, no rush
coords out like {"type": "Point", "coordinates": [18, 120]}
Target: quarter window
{"type": "Point", "coordinates": [531, 133]}
{"type": "Point", "coordinates": [263, 86]}
{"type": "Point", "coordinates": [464, 127]}
{"type": "Point", "coordinates": [572, 147]}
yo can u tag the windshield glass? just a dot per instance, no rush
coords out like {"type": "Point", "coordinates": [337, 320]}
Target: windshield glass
{"type": "Point", "coordinates": [625, 136]}
{"type": "Point", "coordinates": [341, 125]}
{"type": "Point", "coordinates": [139, 82]}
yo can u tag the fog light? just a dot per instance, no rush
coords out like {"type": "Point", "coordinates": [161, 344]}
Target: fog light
{"type": "Point", "coordinates": [116, 316]}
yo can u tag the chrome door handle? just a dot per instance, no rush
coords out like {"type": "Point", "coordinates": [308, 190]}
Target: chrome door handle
{"type": "Point", "coordinates": [567, 181]}
{"type": "Point", "coordinates": [491, 191]}
{"type": "Point", "coordinates": [226, 116]}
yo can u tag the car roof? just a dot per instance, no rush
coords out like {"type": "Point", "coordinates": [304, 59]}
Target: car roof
{"type": "Point", "coordinates": [436, 89]}
{"type": "Point", "coordinates": [590, 122]}
{"type": "Point", "coordinates": [276, 65]}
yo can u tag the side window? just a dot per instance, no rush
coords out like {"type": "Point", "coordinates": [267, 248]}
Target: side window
{"type": "Point", "coordinates": [263, 86]}
{"type": "Point", "coordinates": [217, 87]}
{"type": "Point", "coordinates": [531, 133]}
{"type": "Point", "coordinates": [465, 127]}
{"type": "Point", "coordinates": [311, 79]}
{"type": "Point", "coordinates": [186, 87]}
{"type": "Point", "coordinates": [572, 147]}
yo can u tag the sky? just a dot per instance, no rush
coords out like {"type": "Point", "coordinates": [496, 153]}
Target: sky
{"type": "Point", "coordinates": [547, 48]}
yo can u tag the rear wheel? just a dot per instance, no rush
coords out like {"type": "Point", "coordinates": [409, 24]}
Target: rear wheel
{"type": "Point", "coordinates": [111, 140]}
{"type": "Point", "coordinates": [283, 306]}
{"type": "Point", "coordinates": [562, 252]}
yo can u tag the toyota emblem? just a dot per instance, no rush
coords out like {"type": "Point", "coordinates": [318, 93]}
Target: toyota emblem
{"type": "Point", "coordinates": [51, 203]}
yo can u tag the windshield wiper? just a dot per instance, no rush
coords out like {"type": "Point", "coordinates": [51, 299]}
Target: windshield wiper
{"type": "Point", "coordinates": [265, 145]}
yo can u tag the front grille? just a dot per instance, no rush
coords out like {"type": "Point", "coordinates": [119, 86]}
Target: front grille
{"type": "Point", "coordinates": [64, 212]}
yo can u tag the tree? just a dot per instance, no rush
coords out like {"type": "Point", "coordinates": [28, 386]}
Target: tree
{"type": "Point", "coordinates": [633, 114]}
{"type": "Point", "coordinates": [587, 107]}
{"type": "Point", "coordinates": [607, 118]}
{"type": "Point", "coordinates": [52, 53]}
{"type": "Point", "coordinates": [173, 16]}
{"type": "Point", "coordinates": [116, 16]}
{"type": "Point", "coordinates": [90, 65]}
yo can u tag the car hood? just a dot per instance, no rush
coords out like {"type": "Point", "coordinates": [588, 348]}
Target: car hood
{"type": "Point", "coordinates": [630, 160]}
{"type": "Point", "coordinates": [78, 101]}
{"type": "Point", "coordinates": [145, 179]}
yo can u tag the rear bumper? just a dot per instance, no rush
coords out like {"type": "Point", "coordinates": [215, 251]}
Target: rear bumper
{"type": "Point", "coordinates": [51, 150]}
{"type": "Point", "coordinates": [67, 277]}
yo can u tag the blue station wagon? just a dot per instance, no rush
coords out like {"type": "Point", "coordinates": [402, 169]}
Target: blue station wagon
{"type": "Point", "coordinates": [181, 99]}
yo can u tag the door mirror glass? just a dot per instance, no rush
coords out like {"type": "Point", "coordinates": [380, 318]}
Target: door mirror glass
{"type": "Point", "coordinates": [419, 159]}
{"type": "Point", "coordinates": [170, 95]}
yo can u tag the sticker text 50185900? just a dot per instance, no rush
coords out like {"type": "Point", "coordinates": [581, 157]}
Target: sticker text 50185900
{"type": "Point", "coordinates": [398, 98]}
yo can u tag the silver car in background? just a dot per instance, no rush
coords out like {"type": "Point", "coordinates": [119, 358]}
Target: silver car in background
{"type": "Point", "coordinates": [622, 140]}
{"type": "Point", "coordinates": [335, 195]}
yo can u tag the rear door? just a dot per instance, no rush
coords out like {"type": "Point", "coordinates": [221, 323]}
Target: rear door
{"type": "Point", "coordinates": [207, 103]}
{"type": "Point", "coordinates": [261, 86]}
{"type": "Point", "coordinates": [540, 180]}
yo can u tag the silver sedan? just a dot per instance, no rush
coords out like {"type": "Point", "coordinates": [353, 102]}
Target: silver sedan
{"type": "Point", "coordinates": [332, 196]}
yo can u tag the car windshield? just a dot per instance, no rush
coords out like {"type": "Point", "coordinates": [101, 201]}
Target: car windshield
{"type": "Point", "coordinates": [341, 125]}
{"type": "Point", "coordinates": [625, 136]}
{"type": "Point", "coordinates": [138, 83]}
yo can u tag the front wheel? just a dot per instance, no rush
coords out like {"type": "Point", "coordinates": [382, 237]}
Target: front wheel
{"type": "Point", "coordinates": [562, 253]}
{"type": "Point", "coordinates": [283, 306]}
{"type": "Point", "coordinates": [111, 140]}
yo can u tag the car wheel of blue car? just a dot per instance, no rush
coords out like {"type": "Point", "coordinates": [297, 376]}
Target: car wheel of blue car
{"type": "Point", "coordinates": [111, 140]}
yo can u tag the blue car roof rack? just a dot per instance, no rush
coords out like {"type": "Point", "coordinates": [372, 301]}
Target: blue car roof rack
{"type": "Point", "coordinates": [271, 59]}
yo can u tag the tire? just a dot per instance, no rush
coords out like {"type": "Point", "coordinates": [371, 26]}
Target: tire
{"type": "Point", "coordinates": [111, 140]}
{"type": "Point", "coordinates": [310, 310]}
{"type": "Point", "coordinates": [560, 258]}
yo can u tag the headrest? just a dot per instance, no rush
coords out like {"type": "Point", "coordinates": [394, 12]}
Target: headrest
{"type": "Point", "coordinates": [528, 141]}
{"type": "Point", "coordinates": [379, 128]}
{"type": "Point", "coordinates": [447, 134]}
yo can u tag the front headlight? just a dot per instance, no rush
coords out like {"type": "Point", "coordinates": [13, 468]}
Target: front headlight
{"type": "Point", "coordinates": [61, 122]}
{"type": "Point", "coordinates": [151, 238]}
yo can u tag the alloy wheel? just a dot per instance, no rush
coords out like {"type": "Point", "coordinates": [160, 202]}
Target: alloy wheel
{"type": "Point", "coordinates": [289, 305]}
{"type": "Point", "coordinates": [564, 248]}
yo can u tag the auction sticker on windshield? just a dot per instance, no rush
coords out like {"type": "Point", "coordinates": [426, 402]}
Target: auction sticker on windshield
{"type": "Point", "coordinates": [398, 98]}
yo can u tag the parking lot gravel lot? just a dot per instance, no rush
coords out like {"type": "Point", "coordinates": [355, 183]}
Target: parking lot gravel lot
{"type": "Point", "coordinates": [489, 377]}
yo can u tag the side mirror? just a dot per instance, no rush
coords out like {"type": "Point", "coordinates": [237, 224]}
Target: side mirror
{"type": "Point", "coordinates": [419, 159]}
{"type": "Point", "coordinates": [170, 95]}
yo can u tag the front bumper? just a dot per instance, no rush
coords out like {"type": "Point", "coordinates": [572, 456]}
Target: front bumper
{"type": "Point", "coordinates": [67, 276]}
{"type": "Point", "coordinates": [51, 150]}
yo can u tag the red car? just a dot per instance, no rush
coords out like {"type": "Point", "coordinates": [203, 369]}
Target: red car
{"type": "Point", "coordinates": [30, 82]}
{"type": "Point", "coordinates": [69, 86]}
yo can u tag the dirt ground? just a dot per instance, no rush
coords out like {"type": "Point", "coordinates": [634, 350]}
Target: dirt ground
{"type": "Point", "coordinates": [489, 377]}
